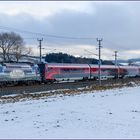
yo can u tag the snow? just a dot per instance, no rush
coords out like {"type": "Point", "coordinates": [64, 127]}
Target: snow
{"type": "Point", "coordinates": [100, 114]}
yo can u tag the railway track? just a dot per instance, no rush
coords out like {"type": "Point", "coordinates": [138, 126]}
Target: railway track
{"type": "Point", "coordinates": [67, 85]}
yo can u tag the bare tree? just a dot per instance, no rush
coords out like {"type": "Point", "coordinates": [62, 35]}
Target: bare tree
{"type": "Point", "coordinates": [12, 46]}
{"type": "Point", "coordinates": [19, 52]}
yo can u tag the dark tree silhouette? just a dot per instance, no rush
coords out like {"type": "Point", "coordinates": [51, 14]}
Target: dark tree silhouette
{"type": "Point", "coordinates": [65, 58]}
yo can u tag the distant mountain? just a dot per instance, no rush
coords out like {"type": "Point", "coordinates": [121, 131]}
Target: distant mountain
{"type": "Point", "coordinates": [134, 59]}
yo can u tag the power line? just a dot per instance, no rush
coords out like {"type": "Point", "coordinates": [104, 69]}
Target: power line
{"type": "Point", "coordinates": [29, 38]}
{"type": "Point", "coordinates": [117, 45]}
{"type": "Point", "coordinates": [45, 35]}
{"type": "Point", "coordinates": [90, 52]}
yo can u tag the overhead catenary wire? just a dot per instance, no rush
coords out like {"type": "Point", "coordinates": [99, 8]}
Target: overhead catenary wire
{"type": "Point", "coordinates": [44, 34]}
{"type": "Point", "coordinates": [56, 36]}
{"type": "Point", "coordinates": [116, 44]}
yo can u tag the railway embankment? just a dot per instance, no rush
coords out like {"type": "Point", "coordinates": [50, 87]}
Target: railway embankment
{"type": "Point", "coordinates": [63, 91]}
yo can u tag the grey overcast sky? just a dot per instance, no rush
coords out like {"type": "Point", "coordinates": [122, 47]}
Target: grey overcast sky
{"type": "Point", "coordinates": [118, 23]}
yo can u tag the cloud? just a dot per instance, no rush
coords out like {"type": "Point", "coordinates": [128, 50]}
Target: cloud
{"type": "Point", "coordinates": [116, 22]}
{"type": "Point", "coordinates": [42, 9]}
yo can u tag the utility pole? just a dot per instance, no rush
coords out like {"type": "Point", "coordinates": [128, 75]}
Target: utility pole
{"type": "Point", "coordinates": [99, 63]}
{"type": "Point", "coordinates": [116, 63]}
{"type": "Point", "coordinates": [40, 45]}
{"type": "Point", "coordinates": [115, 58]}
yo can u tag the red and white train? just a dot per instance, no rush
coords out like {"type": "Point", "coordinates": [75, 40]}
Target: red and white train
{"type": "Point", "coordinates": [15, 73]}
{"type": "Point", "coordinates": [51, 72]}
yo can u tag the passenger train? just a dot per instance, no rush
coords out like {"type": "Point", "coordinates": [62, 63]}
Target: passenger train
{"type": "Point", "coordinates": [65, 72]}
{"type": "Point", "coordinates": [29, 73]}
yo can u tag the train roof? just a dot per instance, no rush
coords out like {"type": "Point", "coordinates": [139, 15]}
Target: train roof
{"type": "Point", "coordinates": [129, 66]}
{"type": "Point", "coordinates": [66, 65]}
{"type": "Point", "coordinates": [17, 65]}
{"type": "Point", "coordinates": [70, 65]}
{"type": "Point", "coordinates": [78, 65]}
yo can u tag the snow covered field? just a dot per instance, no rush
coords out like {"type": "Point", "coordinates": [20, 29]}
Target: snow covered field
{"type": "Point", "coordinates": [107, 114]}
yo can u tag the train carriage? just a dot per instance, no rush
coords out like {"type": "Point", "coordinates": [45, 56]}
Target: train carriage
{"type": "Point", "coordinates": [107, 71]}
{"type": "Point", "coordinates": [66, 72]}
{"type": "Point", "coordinates": [128, 71]}
{"type": "Point", "coordinates": [62, 72]}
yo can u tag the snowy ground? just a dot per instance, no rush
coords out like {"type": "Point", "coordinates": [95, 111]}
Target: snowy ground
{"type": "Point", "coordinates": [108, 114]}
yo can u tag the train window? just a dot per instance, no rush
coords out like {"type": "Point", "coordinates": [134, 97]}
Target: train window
{"type": "Point", "coordinates": [71, 70]}
{"type": "Point", "coordinates": [35, 68]}
{"type": "Point", "coordinates": [28, 71]}
{"type": "Point", "coordinates": [49, 69]}
{"type": "Point", "coordinates": [65, 70]}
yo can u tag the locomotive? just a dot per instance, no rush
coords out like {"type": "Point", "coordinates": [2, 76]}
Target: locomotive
{"type": "Point", "coordinates": [29, 73]}
{"type": "Point", "coordinates": [15, 73]}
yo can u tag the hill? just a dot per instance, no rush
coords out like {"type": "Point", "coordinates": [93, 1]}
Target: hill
{"type": "Point", "coordinates": [65, 58]}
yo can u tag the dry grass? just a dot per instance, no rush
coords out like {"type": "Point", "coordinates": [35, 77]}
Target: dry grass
{"type": "Point", "coordinates": [66, 92]}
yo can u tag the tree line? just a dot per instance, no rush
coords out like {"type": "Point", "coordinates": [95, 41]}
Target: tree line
{"type": "Point", "coordinates": [66, 58]}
